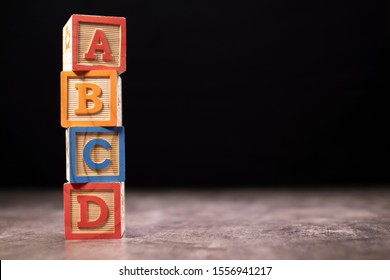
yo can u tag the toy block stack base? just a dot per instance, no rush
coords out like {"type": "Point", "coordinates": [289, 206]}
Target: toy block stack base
{"type": "Point", "coordinates": [94, 55]}
{"type": "Point", "coordinates": [94, 210]}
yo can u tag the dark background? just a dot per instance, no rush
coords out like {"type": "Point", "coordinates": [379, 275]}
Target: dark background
{"type": "Point", "coordinates": [215, 93]}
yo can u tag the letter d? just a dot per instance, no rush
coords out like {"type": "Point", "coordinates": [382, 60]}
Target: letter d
{"type": "Point", "coordinates": [84, 221]}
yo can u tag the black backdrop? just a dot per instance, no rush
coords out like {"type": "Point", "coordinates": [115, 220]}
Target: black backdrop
{"type": "Point", "coordinates": [215, 93]}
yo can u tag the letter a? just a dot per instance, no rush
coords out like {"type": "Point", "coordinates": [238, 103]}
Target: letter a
{"type": "Point", "coordinates": [84, 97]}
{"type": "Point", "coordinates": [84, 219]}
{"type": "Point", "coordinates": [99, 43]}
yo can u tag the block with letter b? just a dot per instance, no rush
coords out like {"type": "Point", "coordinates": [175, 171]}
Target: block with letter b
{"type": "Point", "coordinates": [94, 210]}
{"type": "Point", "coordinates": [91, 99]}
{"type": "Point", "coordinates": [95, 154]}
{"type": "Point", "coordinates": [93, 42]}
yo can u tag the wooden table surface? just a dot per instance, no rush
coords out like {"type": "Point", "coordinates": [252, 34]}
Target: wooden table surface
{"type": "Point", "coordinates": [232, 223]}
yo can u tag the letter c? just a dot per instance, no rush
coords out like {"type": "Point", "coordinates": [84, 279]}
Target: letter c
{"type": "Point", "coordinates": [87, 153]}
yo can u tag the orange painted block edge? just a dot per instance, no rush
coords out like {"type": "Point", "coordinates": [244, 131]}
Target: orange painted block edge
{"type": "Point", "coordinates": [119, 226]}
{"type": "Point", "coordinates": [121, 21]}
{"type": "Point", "coordinates": [112, 75]}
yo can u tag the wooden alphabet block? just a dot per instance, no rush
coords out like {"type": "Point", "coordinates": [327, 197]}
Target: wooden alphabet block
{"type": "Point", "coordinates": [93, 42]}
{"type": "Point", "coordinates": [91, 99]}
{"type": "Point", "coordinates": [94, 210]}
{"type": "Point", "coordinates": [95, 154]}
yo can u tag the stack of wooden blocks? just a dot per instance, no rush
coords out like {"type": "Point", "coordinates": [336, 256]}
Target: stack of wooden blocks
{"type": "Point", "coordinates": [94, 56]}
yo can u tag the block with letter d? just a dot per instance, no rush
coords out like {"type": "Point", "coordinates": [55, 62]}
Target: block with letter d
{"type": "Point", "coordinates": [95, 154]}
{"type": "Point", "coordinates": [91, 99]}
{"type": "Point", "coordinates": [93, 42]}
{"type": "Point", "coordinates": [94, 210]}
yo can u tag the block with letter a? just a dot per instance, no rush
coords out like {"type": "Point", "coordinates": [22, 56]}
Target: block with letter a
{"type": "Point", "coordinates": [93, 42]}
{"type": "Point", "coordinates": [92, 98]}
{"type": "Point", "coordinates": [94, 210]}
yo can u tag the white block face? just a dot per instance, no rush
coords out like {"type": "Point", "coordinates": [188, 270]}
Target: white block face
{"type": "Point", "coordinates": [67, 42]}
{"type": "Point", "coordinates": [123, 207]}
{"type": "Point", "coordinates": [119, 101]}
{"type": "Point", "coordinates": [67, 154]}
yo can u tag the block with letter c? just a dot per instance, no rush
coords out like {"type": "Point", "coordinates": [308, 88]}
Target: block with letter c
{"type": "Point", "coordinates": [94, 210]}
{"type": "Point", "coordinates": [95, 154]}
